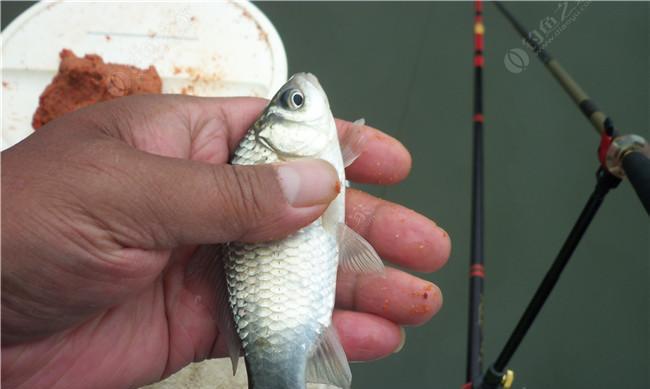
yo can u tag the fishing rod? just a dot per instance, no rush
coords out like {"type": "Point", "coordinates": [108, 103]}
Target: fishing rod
{"type": "Point", "coordinates": [477, 273]}
{"type": "Point", "coordinates": [621, 155]}
{"type": "Point", "coordinates": [618, 155]}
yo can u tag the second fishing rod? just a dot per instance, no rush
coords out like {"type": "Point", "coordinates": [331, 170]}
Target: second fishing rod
{"type": "Point", "coordinates": [619, 156]}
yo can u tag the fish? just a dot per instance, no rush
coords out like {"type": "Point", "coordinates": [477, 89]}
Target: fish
{"type": "Point", "coordinates": [280, 294]}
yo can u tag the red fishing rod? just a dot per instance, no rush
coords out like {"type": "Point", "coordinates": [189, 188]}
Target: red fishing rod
{"type": "Point", "coordinates": [618, 155]}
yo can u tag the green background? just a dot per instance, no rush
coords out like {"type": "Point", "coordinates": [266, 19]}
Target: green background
{"type": "Point", "coordinates": [407, 68]}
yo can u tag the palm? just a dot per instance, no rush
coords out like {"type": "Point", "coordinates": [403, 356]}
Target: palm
{"type": "Point", "coordinates": [161, 327]}
{"type": "Point", "coordinates": [172, 321]}
{"type": "Point", "coordinates": [154, 333]}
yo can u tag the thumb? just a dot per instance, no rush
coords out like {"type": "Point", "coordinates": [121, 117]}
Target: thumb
{"type": "Point", "coordinates": [187, 202]}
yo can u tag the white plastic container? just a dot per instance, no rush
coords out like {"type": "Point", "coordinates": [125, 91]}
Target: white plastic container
{"type": "Point", "coordinates": [221, 48]}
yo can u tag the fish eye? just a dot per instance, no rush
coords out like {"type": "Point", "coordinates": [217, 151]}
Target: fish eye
{"type": "Point", "coordinates": [297, 99]}
{"type": "Point", "coordinates": [294, 99]}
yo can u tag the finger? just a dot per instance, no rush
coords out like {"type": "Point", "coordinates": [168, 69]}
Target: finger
{"type": "Point", "coordinates": [384, 159]}
{"type": "Point", "coordinates": [173, 202]}
{"type": "Point", "coordinates": [215, 126]}
{"type": "Point", "coordinates": [232, 116]}
{"type": "Point", "coordinates": [367, 337]}
{"type": "Point", "coordinates": [394, 295]}
{"type": "Point", "coordinates": [399, 234]}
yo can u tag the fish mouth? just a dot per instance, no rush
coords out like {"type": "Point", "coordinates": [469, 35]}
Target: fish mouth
{"type": "Point", "coordinates": [310, 78]}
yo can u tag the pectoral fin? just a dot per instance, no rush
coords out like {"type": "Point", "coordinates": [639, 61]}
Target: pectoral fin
{"type": "Point", "coordinates": [328, 363]}
{"type": "Point", "coordinates": [353, 142]}
{"type": "Point", "coordinates": [356, 254]}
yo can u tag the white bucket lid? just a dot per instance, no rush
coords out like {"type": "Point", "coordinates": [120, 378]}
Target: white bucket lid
{"type": "Point", "coordinates": [221, 48]}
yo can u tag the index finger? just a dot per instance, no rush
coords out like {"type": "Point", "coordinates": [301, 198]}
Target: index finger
{"type": "Point", "coordinates": [384, 159]}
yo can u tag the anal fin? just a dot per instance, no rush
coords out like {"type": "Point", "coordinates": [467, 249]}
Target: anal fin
{"type": "Point", "coordinates": [328, 363]}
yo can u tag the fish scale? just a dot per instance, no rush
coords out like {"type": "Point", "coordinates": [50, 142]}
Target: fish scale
{"type": "Point", "coordinates": [281, 292]}
{"type": "Point", "coordinates": [281, 295]}
{"type": "Point", "coordinates": [249, 152]}
{"type": "Point", "coordinates": [282, 300]}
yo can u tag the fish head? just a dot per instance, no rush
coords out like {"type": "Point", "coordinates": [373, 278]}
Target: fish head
{"type": "Point", "coordinates": [298, 121]}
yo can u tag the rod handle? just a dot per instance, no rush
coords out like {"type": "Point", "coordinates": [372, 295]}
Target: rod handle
{"type": "Point", "coordinates": [637, 169]}
{"type": "Point", "coordinates": [629, 156]}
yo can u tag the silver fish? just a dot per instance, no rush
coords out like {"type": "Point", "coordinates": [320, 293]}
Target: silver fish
{"type": "Point", "coordinates": [281, 293]}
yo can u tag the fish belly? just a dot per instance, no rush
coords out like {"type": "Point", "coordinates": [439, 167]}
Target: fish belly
{"type": "Point", "coordinates": [282, 296]}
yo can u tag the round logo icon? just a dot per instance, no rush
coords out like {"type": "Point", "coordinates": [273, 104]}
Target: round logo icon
{"type": "Point", "coordinates": [516, 60]}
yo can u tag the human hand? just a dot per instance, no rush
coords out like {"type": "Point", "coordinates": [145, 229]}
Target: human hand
{"type": "Point", "coordinates": [103, 208]}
